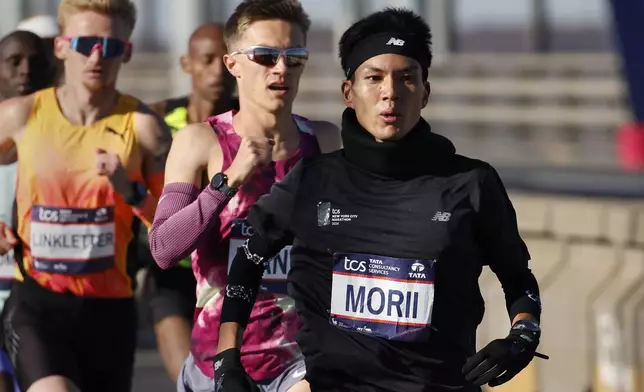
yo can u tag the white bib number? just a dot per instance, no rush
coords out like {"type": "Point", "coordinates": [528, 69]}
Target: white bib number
{"type": "Point", "coordinates": [382, 296]}
{"type": "Point", "coordinates": [72, 240]}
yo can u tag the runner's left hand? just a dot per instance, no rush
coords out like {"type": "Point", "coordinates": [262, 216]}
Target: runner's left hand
{"type": "Point", "coordinates": [501, 360]}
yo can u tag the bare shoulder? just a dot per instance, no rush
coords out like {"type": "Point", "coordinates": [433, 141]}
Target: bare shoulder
{"type": "Point", "coordinates": [198, 136]}
{"type": "Point", "coordinates": [14, 113]}
{"type": "Point", "coordinates": [153, 133]}
{"type": "Point", "coordinates": [196, 142]}
{"type": "Point", "coordinates": [192, 149]}
{"type": "Point", "coordinates": [328, 135]}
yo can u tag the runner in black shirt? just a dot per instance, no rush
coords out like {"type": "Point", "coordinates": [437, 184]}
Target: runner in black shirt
{"type": "Point", "coordinates": [389, 238]}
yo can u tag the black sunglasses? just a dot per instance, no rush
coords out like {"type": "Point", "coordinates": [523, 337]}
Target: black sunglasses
{"type": "Point", "coordinates": [110, 47]}
{"type": "Point", "coordinates": [268, 57]}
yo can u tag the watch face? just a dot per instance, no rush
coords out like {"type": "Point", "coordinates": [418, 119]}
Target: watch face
{"type": "Point", "coordinates": [218, 180]}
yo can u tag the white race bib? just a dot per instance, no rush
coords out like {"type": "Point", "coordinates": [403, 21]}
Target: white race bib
{"type": "Point", "coordinates": [72, 240]}
{"type": "Point", "coordinates": [275, 275]}
{"type": "Point", "coordinates": [381, 296]}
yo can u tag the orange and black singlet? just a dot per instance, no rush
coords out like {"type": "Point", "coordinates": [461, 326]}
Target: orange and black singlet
{"type": "Point", "coordinates": [74, 228]}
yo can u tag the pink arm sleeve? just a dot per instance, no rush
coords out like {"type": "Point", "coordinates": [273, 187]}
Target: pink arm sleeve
{"type": "Point", "coordinates": [183, 217]}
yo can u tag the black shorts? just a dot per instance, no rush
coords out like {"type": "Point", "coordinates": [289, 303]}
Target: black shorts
{"type": "Point", "coordinates": [90, 341]}
{"type": "Point", "coordinates": [171, 292]}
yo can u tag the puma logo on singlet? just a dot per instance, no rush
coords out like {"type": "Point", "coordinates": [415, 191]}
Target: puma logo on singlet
{"type": "Point", "coordinates": [111, 130]}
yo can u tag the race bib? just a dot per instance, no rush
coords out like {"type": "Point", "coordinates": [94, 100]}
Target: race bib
{"type": "Point", "coordinates": [72, 240]}
{"type": "Point", "coordinates": [381, 296]}
{"type": "Point", "coordinates": [275, 275]}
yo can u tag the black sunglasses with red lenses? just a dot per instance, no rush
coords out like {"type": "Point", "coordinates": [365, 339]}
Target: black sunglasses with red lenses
{"type": "Point", "coordinates": [268, 57]}
{"type": "Point", "coordinates": [109, 47]}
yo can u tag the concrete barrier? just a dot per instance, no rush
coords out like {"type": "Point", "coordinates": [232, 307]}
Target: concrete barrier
{"type": "Point", "coordinates": [615, 369]}
{"type": "Point", "coordinates": [548, 255]}
{"type": "Point", "coordinates": [629, 307]}
{"type": "Point", "coordinates": [587, 256]}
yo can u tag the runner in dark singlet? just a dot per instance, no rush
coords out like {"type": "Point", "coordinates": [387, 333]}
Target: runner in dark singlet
{"type": "Point", "coordinates": [171, 294]}
{"type": "Point", "coordinates": [46, 27]}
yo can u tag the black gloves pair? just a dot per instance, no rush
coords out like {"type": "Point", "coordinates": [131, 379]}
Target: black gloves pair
{"type": "Point", "coordinates": [230, 375]}
{"type": "Point", "coordinates": [495, 364]}
{"type": "Point", "coordinates": [502, 359]}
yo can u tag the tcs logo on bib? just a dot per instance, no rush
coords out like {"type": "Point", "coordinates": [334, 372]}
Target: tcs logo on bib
{"type": "Point", "coordinates": [355, 265]}
{"type": "Point", "coordinates": [47, 215]}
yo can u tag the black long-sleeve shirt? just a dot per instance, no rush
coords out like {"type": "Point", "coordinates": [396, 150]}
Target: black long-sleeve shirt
{"type": "Point", "coordinates": [384, 272]}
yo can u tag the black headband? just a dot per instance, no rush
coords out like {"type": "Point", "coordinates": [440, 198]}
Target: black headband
{"type": "Point", "coordinates": [397, 43]}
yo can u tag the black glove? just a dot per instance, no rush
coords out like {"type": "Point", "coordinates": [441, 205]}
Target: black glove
{"type": "Point", "coordinates": [509, 355]}
{"type": "Point", "coordinates": [230, 375]}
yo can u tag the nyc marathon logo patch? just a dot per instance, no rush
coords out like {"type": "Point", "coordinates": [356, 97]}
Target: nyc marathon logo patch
{"type": "Point", "coordinates": [330, 216]}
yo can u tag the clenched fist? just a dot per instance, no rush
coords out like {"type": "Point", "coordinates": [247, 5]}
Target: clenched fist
{"type": "Point", "coordinates": [254, 152]}
{"type": "Point", "coordinates": [109, 165]}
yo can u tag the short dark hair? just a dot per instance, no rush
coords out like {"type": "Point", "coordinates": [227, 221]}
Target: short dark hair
{"type": "Point", "coordinates": [389, 20]}
{"type": "Point", "coordinates": [251, 11]}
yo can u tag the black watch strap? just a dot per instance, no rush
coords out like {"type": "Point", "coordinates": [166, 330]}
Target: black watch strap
{"type": "Point", "coordinates": [219, 183]}
{"type": "Point", "coordinates": [138, 193]}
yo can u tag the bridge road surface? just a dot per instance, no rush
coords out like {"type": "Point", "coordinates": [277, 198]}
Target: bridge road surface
{"type": "Point", "coordinates": [149, 374]}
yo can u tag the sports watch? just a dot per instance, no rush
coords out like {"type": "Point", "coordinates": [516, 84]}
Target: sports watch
{"type": "Point", "coordinates": [219, 183]}
{"type": "Point", "coordinates": [137, 195]}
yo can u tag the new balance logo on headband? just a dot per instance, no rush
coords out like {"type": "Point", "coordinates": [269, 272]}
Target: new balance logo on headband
{"type": "Point", "coordinates": [396, 41]}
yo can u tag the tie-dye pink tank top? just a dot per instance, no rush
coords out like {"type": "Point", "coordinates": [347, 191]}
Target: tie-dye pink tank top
{"type": "Point", "coordinates": [269, 340]}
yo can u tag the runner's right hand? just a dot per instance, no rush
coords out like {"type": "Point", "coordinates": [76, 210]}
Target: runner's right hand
{"type": "Point", "coordinates": [7, 239]}
{"type": "Point", "coordinates": [254, 152]}
{"type": "Point", "coordinates": [230, 375]}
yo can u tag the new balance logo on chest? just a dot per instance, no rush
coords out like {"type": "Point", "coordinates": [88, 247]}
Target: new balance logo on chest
{"type": "Point", "coordinates": [396, 42]}
{"type": "Point", "coordinates": [441, 216]}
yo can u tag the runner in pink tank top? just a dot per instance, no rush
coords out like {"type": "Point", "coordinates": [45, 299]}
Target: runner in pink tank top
{"type": "Point", "coordinates": [215, 172]}
{"type": "Point", "coordinates": [269, 340]}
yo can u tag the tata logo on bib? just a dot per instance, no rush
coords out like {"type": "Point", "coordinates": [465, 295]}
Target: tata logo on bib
{"type": "Point", "coordinates": [417, 271]}
{"type": "Point", "coordinates": [355, 265]}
